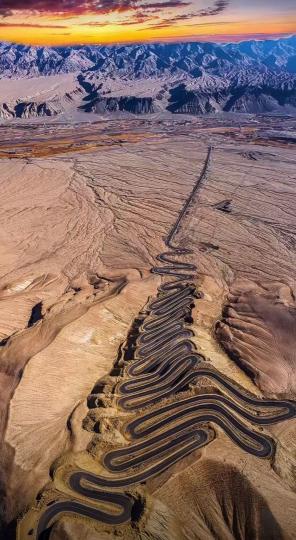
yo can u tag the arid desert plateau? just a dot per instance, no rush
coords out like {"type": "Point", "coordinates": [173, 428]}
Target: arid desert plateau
{"type": "Point", "coordinates": [148, 329]}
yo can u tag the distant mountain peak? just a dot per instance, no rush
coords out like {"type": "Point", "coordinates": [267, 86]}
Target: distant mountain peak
{"type": "Point", "coordinates": [250, 76]}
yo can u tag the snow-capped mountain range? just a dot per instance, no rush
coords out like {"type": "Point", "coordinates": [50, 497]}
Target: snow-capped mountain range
{"type": "Point", "coordinates": [194, 78]}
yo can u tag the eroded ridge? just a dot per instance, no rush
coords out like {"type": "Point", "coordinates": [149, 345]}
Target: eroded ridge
{"type": "Point", "coordinates": [157, 388]}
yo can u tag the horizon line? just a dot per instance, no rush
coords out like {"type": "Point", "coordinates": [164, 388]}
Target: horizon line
{"type": "Point", "coordinates": [205, 38]}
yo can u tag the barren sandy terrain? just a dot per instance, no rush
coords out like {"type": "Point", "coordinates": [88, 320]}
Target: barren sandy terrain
{"type": "Point", "coordinates": [80, 231]}
{"type": "Point", "coordinates": [37, 88]}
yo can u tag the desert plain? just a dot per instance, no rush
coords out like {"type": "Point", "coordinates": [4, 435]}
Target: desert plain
{"type": "Point", "coordinates": [85, 211]}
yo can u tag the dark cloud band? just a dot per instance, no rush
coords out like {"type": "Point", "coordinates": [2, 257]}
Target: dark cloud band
{"type": "Point", "coordinates": [217, 8]}
{"type": "Point", "coordinates": [68, 6]}
{"type": "Point", "coordinates": [101, 7]}
{"type": "Point", "coordinates": [28, 25]}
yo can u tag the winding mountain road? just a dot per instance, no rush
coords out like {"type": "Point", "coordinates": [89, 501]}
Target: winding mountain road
{"type": "Point", "coordinates": [160, 384]}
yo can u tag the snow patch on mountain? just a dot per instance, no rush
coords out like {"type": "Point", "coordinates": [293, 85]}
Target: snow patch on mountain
{"type": "Point", "coordinates": [195, 78]}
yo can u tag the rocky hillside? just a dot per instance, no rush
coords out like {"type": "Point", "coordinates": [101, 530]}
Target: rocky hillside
{"type": "Point", "coordinates": [143, 61]}
{"type": "Point", "coordinates": [194, 78]}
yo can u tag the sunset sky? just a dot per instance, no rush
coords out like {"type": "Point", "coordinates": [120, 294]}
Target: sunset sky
{"type": "Point", "coordinates": [61, 22]}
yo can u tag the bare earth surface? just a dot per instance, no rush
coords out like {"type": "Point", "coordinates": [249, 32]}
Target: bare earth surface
{"type": "Point", "coordinates": [80, 230]}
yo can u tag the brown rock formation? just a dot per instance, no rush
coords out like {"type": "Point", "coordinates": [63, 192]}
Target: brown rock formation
{"type": "Point", "coordinates": [258, 330]}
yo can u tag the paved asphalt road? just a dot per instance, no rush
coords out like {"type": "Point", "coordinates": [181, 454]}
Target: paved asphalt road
{"type": "Point", "coordinates": [164, 363]}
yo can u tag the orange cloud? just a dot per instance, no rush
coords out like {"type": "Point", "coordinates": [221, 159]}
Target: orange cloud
{"type": "Point", "coordinates": [63, 22]}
